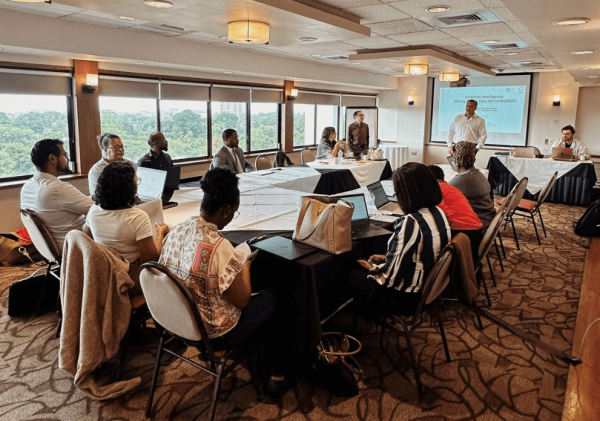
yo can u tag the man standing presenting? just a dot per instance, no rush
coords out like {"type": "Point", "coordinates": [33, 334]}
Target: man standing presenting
{"type": "Point", "coordinates": [59, 205]}
{"type": "Point", "coordinates": [230, 156]}
{"type": "Point", "coordinates": [358, 134]}
{"type": "Point", "coordinates": [157, 159]}
{"type": "Point", "coordinates": [467, 127]}
{"type": "Point", "coordinates": [568, 141]}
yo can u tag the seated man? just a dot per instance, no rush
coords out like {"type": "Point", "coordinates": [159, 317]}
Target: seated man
{"type": "Point", "coordinates": [59, 205]}
{"type": "Point", "coordinates": [230, 156]}
{"type": "Point", "coordinates": [459, 212]}
{"type": "Point", "coordinates": [568, 141]}
{"type": "Point", "coordinates": [156, 158]}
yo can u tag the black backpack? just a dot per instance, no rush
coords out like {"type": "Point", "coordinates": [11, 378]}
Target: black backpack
{"type": "Point", "coordinates": [589, 224]}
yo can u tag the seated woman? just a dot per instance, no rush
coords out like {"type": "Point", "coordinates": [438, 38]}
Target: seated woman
{"type": "Point", "coordinates": [218, 276]}
{"type": "Point", "coordinates": [328, 147]}
{"type": "Point", "coordinates": [116, 224]}
{"type": "Point", "coordinates": [472, 183]}
{"type": "Point", "coordinates": [393, 281]}
{"type": "Point", "coordinates": [113, 150]}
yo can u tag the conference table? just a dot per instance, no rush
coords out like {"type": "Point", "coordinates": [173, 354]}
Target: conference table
{"type": "Point", "coordinates": [573, 185]}
{"type": "Point", "coordinates": [269, 205]}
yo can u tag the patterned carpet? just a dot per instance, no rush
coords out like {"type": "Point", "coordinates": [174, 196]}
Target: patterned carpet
{"type": "Point", "coordinates": [493, 374]}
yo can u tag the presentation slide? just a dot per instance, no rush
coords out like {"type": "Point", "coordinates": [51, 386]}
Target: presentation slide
{"type": "Point", "coordinates": [503, 101]}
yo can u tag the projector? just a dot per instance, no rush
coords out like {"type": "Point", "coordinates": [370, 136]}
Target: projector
{"type": "Point", "coordinates": [460, 83]}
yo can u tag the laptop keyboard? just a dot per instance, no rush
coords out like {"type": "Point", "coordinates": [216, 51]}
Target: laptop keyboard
{"type": "Point", "coordinates": [363, 228]}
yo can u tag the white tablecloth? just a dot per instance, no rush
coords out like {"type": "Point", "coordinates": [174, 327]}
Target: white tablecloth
{"type": "Point", "coordinates": [538, 171]}
{"type": "Point", "coordinates": [303, 179]}
{"type": "Point", "coordinates": [396, 154]}
{"type": "Point", "coordinates": [365, 172]}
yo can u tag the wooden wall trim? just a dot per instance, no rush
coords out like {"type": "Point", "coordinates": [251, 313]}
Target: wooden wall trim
{"type": "Point", "coordinates": [87, 109]}
{"type": "Point", "coordinates": [288, 118]}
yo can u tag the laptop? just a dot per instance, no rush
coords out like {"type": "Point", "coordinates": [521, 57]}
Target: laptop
{"type": "Point", "coordinates": [563, 154]}
{"type": "Point", "coordinates": [451, 162]}
{"type": "Point", "coordinates": [524, 152]}
{"type": "Point", "coordinates": [286, 248]}
{"type": "Point", "coordinates": [382, 201]}
{"type": "Point", "coordinates": [173, 178]}
{"type": "Point", "coordinates": [361, 225]}
{"type": "Point", "coordinates": [152, 183]}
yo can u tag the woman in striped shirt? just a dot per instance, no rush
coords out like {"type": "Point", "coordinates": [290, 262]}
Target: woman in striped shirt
{"type": "Point", "coordinates": [394, 280]}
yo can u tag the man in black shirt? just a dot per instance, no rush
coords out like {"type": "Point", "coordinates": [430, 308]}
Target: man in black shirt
{"type": "Point", "coordinates": [157, 159]}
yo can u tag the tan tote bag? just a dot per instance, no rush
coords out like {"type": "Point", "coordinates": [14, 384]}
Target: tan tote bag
{"type": "Point", "coordinates": [325, 223]}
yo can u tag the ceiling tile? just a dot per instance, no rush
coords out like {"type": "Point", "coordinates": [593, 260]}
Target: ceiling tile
{"type": "Point", "coordinates": [44, 9]}
{"type": "Point", "coordinates": [113, 18]}
{"type": "Point", "coordinates": [294, 49]}
{"type": "Point", "coordinates": [96, 20]}
{"type": "Point", "coordinates": [492, 3]}
{"type": "Point", "coordinates": [347, 4]}
{"type": "Point", "coordinates": [486, 29]}
{"type": "Point", "coordinates": [418, 7]}
{"type": "Point", "coordinates": [399, 27]}
{"type": "Point", "coordinates": [504, 14]}
{"type": "Point", "coordinates": [374, 42]}
{"type": "Point", "coordinates": [422, 36]}
{"type": "Point", "coordinates": [334, 46]}
{"type": "Point", "coordinates": [450, 42]}
{"type": "Point", "coordinates": [377, 13]}
{"type": "Point", "coordinates": [531, 40]}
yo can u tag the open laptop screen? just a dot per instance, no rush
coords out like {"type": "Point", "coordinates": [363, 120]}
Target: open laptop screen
{"type": "Point", "coordinates": [152, 183]}
{"type": "Point", "coordinates": [360, 206]}
{"type": "Point", "coordinates": [378, 191]}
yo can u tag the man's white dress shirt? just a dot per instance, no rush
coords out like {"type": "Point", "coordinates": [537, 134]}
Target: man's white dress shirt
{"type": "Point", "coordinates": [60, 205]}
{"type": "Point", "coordinates": [579, 150]}
{"type": "Point", "coordinates": [467, 129]}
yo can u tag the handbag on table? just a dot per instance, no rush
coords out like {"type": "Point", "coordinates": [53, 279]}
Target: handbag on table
{"type": "Point", "coordinates": [325, 223]}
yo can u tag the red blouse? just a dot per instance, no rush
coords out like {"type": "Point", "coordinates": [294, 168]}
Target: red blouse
{"type": "Point", "coordinates": [457, 208]}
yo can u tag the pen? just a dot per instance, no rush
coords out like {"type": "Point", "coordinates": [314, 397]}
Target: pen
{"type": "Point", "coordinates": [256, 239]}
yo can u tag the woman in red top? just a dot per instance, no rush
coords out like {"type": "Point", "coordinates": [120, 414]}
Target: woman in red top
{"type": "Point", "coordinates": [460, 215]}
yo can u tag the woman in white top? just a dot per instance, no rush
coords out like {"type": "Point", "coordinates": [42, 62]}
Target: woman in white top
{"type": "Point", "coordinates": [115, 223]}
{"type": "Point", "coordinates": [113, 150]}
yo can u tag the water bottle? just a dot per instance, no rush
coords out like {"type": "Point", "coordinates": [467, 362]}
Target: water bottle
{"type": "Point", "coordinates": [370, 197]}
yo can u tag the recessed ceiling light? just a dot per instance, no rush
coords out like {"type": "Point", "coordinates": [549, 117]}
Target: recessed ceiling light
{"type": "Point", "coordinates": [392, 59]}
{"type": "Point", "coordinates": [308, 39]}
{"type": "Point", "coordinates": [228, 73]}
{"type": "Point", "coordinates": [537, 68]}
{"type": "Point", "coordinates": [585, 68]}
{"type": "Point", "coordinates": [593, 77]}
{"type": "Point", "coordinates": [355, 62]}
{"type": "Point", "coordinates": [571, 21]}
{"type": "Point", "coordinates": [491, 41]}
{"type": "Point", "coordinates": [580, 53]}
{"type": "Point", "coordinates": [525, 62]}
{"type": "Point", "coordinates": [315, 55]}
{"type": "Point", "coordinates": [389, 69]}
{"type": "Point", "coordinates": [161, 4]}
{"type": "Point", "coordinates": [139, 63]}
{"type": "Point", "coordinates": [511, 54]}
{"type": "Point", "coordinates": [127, 18]}
{"type": "Point", "coordinates": [437, 9]}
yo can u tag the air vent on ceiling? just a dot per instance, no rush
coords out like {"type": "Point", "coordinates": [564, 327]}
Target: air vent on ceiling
{"type": "Point", "coordinates": [502, 46]}
{"type": "Point", "coordinates": [162, 29]}
{"type": "Point", "coordinates": [333, 58]}
{"type": "Point", "coordinates": [452, 20]}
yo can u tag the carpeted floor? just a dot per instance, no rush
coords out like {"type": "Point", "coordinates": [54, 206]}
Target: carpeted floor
{"type": "Point", "coordinates": [493, 374]}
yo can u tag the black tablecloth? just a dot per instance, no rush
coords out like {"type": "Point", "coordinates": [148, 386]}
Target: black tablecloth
{"type": "Point", "coordinates": [316, 283]}
{"type": "Point", "coordinates": [334, 181]}
{"type": "Point", "coordinates": [573, 188]}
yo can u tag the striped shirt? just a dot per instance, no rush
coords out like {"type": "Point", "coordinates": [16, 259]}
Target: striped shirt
{"type": "Point", "coordinates": [417, 239]}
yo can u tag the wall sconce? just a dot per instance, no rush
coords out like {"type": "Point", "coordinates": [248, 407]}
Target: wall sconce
{"type": "Point", "coordinates": [416, 69]}
{"type": "Point", "coordinates": [449, 76]}
{"type": "Point", "coordinates": [248, 32]}
{"type": "Point", "coordinates": [91, 83]}
{"type": "Point", "coordinates": [556, 100]}
{"type": "Point", "coordinates": [410, 100]}
{"type": "Point", "coordinates": [293, 94]}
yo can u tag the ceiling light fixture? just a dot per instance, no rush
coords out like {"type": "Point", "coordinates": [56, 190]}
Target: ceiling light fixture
{"type": "Point", "coordinates": [31, 1]}
{"type": "Point", "coordinates": [525, 62]}
{"type": "Point", "coordinates": [581, 53]}
{"type": "Point", "coordinates": [416, 69]}
{"type": "Point", "coordinates": [437, 9]}
{"type": "Point", "coordinates": [511, 54]}
{"type": "Point", "coordinates": [315, 55]}
{"type": "Point", "coordinates": [139, 63]}
{"type": "Point", "coordinates": [571, 21]}
{"type": "Point", "coordinates": [159, 4]}
{"type": "Point", "coordinates": [492, 41]}
{"type": "Point", "coordinates": [355, 62]}
{"type": "Point", "coordinates": [127, 18]}
{"type": "Point", "coordinates": [449, 76]}
{"type": "Point", "coordinates": [228, 72]}
{"type": "Point", "coordinates": [308, 39]}
{"type": "Point", "coordinates": [593, 77]}
{"type": "Point", "coordinates": [392, 59]}
{"type": "Point", "coordinates": [248, 32]}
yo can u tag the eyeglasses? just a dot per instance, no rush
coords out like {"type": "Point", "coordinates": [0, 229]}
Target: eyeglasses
{"type": "Point", "coordinates": [236, 214]}
{"type": "Point", "coordinates": [117, 148]}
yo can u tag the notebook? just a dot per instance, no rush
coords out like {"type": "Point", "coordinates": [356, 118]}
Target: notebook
{"type": "Point", "coordinates": [284, 247]}
{"type": "Point", "coordinates": [361, 224]}
{"type": "Point", "coordinates": [152, 183]}
{"type": "Point", "coordinates": [382, 201]}
{"type": "Point", "coordinates": [563, 154]}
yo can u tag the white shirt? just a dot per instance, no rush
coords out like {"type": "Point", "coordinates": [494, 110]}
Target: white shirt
{"type": "Point", "coordinates": [96, 170]}
{"type": "Point", "coordinates": [467, 129]}
{"type": "Point", "coordinates": [60, 205]}
{"type": "Point", "coordinates": [120, 229]}
{"type": "Point", "coordinates": [578, 149]}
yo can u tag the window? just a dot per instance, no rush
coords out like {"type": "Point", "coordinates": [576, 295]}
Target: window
{"type": "Point", "coordinates": [184, 124]}
{"type": "Point", "coordinates": [304, 124]}
{"type": "Point", "coordinates": [228, 115]}
{"type": "Point", "coordinates": [264, 126]}
{"type": "Point", "coordinates": [25, 119]}
{"type": "Point", "coordinates": [327, 116]}
{"type": "Point", "coordinates": [132, 119]}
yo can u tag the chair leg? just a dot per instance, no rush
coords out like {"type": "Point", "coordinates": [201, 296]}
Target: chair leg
{"type": "Point", "coordinates": [213, 404]}
{"type": "Point", "coordinates": [413, 359]}
{"type": "Point", "coordinates": [487, 256]}
{"type": "Point", "coordinates": [59, 312]}
{"type": "Point", "coordinates": [443, 335]}
{"type": "Point", "coordinates": [478, 316]}
{"type": "Point", "coordinates": [485, 288]}
{"type": "Point", "coordinates": [532, 216]}
{"type": "Point", "coordinates": [155, 377]}
{"type": "Point", "coordinates": [501, 246]}
{"type": "Point", "coordinates": [539, 212]}
{"type": "Point", "coordinates": [512, 221]}
{"type": "Point", "coordinates": [498, 254]}
{"type": "Point", "coordinates": [123, 353]}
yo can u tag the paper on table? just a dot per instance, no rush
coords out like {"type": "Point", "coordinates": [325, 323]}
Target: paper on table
{"type": "Point", "coordinates": [245, 247]}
